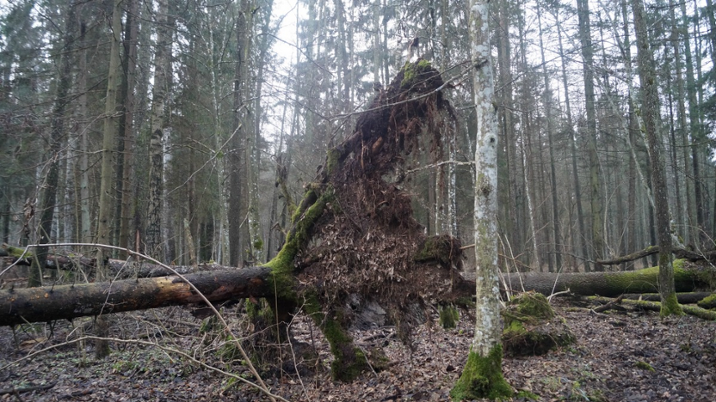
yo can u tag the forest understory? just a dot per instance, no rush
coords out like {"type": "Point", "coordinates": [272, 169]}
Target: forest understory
{"type": "Point", "coordinates": [620, 355]}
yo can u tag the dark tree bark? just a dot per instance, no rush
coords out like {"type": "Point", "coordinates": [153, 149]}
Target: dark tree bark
{"type": "Point", "coordinates": [48, 194]}
{"type": "Point", "coordinates": [69, 301]}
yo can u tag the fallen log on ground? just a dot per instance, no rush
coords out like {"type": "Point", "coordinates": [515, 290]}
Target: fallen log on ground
{"type": "Point", "coordinates": [354, 231]}
{"type": "Point", "coordinates": [18, 306]}
{"type": "Point", "coordinates": [682, 298]}
{"type": "Point", "coordinates": [650, 250]}
{"type": "Point", "coordinates": [54, 261]}
{"type": "Point", "coordinates": [688, 277]}
{"type": "Point", "coordinates": [120, 269]}
{"type": "Point", "coordinates": [656, 306]}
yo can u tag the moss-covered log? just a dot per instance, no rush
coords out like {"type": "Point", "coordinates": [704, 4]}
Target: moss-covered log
{"type": "Point", "coordinates": [682, 298]}
{"type": "Point", "coordinates": [687, 278]}
{"type": "Point", "coordinates": [18, 306]}
{"type": "Point", "coordinates": [650, 250]}
{"type": "Point", "coordinates": [656, 306]}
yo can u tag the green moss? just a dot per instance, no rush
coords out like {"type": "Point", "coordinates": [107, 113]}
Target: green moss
{"type": "Point", "coordinates": [411, 71]}
{"type": "Point", "coordinates": [671, 306]}
{"type": "Point", "coordinates": [349, 361]}
{"type": "Point", "coordinates": [708, 301]}
{"type": "Point", "coordinates": [524, 394]}
{"type": "Point", "coordinates": [644, 366]}
{"type": "Point", "coordinates": [531, 326]}
{"type": "Point", "coordinates": [282, 265]}
{"type": "Point", "coordinates": [449, 316]}
{"type": "Point", "coordinates": [482, 378]}
{"type": "Point", "coordinates": [645, 280]}
{"type": "Point", "coordinates": [436, 248]}
{"type": "Point", "coordinates": [532, 304]}
{"type": "Point", "coordinates": [332, 160]}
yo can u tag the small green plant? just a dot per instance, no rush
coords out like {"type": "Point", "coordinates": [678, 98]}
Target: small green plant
{"type": "Point", "coordinates": [449, 316]}
{"type": "Point", "coordinates": [531, 396]}
{"type": "Point", "coordinates": [644, 366]}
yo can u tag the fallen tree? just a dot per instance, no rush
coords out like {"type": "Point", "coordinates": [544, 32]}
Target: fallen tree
{"type": "Point", "coordinates": [353, 233]}
{"type": "Point", "coordinates": [19, 306]}
{"type": "Point", "coordinates": [656, 306]}
{"type": "Point", "coordinates": [650, 250]}
{"type": "Point", "coordinates": [688, 277]}
{"type": "Point", "coordinates": [120, 269]}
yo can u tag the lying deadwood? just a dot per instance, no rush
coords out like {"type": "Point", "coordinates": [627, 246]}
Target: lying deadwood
{"type": "Point", "coordinates": [120, 269]}
{"type": "Point", "coordinates": [688, 277]}
{"type": "Point", "coordinates": [656, 306]}
{"type": "Point", "coordinates": [683, 298]}
{"type": "Point", "coordinates": [49, 303]}
{"type": "Point", "coordinates": [708, 302]}
{"type": "Point", "coordinates": [54, 261]}
{"type": "Point", "coordinates": [353, 232]}
{"type": "Point", "coordinates": [678, 253]}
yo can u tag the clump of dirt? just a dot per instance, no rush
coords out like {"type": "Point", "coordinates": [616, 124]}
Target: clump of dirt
{"type": "Point", "coordinates": [367, 241]}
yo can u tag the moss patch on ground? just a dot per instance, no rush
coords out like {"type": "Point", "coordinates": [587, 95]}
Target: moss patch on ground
{"type": "Point", "coordinates": [532, 327]}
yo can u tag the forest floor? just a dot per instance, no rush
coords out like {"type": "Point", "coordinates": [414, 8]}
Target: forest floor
{"type": "Point", "coordinates": [619, 356]}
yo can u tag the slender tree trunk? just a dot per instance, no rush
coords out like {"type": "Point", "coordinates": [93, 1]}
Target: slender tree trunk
{"type": "Point", "coordinates": [512, 198]}
{"type": "Point", "coordinates": [48, 192]}
{"type": "Point", "coordinates": [556, 246]}
{"type": "Point", "coordinates": [527, 151]}
{"type": "Point", "coordinates": [694, 129]}
{"type": "Point", "coordinates": [238, 160]}
{"type": "Point", "coordinates": [162, 54]}
{"type": "Point", "coordinates": [650, 111]}
{"type": "Point", "coordinates": [126, 128]}
{"type": "Point", "coordinates": [582, 235]}
{"type": "Point", "coordinates": [482, 376]}
{"type": "Point", "coordinates": [594, 175]}
{"type": "Point", "coordinates": [109, 141]}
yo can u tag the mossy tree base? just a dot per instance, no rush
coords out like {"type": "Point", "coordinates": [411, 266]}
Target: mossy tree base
{"type": "Point", "coordinates": [482, 378]}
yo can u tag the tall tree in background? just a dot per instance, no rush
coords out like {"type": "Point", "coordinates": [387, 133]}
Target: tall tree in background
{"type": "Point", "coordinates": [594, 175]}
{"type": "Point", "coordinates": [109, 141]}
{"type": "Point", "coordinates": [238, 233]}
{"type": "Point", "coordinates": [48, 193]}
{"type": "Point", "coordinates": [652, 120]}
{"type": "Point", "coordinates": [162, 54]}
{"type": "Point", "coordinates": [126, 127]}
{"type": "Point", "coordinates": [482, 375]}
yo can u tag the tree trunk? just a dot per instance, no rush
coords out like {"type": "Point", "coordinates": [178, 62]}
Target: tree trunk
{"type": "Point", "coordinates": [109, 141]}
{"type": "Point", "coordinates": [582, 235]}
{"type": "Point", "coordinates": [91, 299]}
{"type": "Point", "coordinates": [556, 236]}
{"type": "Point", "coordinates": [650, 111]}
{"type": "Point", "coordinates": [482, 375]}
{"type": "Point", "coordinates": [609, 284]}
{"type": "Point", "coordinates": [594, 176]}
{"type": "Point", "coordinates": [162, 53]}
{"type": "Point", "coordinates": [126, 129]}
{"type": "Point", "coordinates": [48, 194]}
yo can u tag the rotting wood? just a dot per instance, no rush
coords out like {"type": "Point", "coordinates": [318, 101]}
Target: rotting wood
{"type": "Point", "coordinates": [18, 306]}
{"type": "Point", "coordinates": [683, 298]}
{"type": "Point", "coordinates": [650, 250]}
{"type": "Point", "coordinates": [656, 306]}
{"type": "Point", "coordinates": [688, 278]}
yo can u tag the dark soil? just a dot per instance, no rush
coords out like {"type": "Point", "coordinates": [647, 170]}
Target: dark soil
{"type": "Point", "coordinates": [619, 356]}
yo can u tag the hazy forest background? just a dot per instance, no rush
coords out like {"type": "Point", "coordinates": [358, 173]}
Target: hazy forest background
{"type": "Point", "coordinates": [185, 129]}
